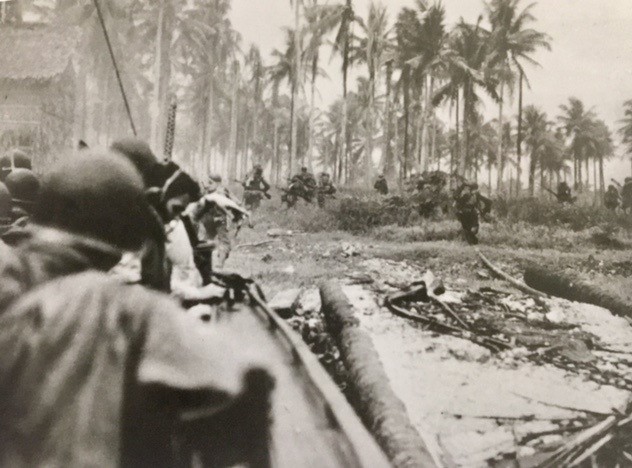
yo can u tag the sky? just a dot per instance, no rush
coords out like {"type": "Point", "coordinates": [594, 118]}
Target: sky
{"type": "Point", "coordinates": [591, 56]}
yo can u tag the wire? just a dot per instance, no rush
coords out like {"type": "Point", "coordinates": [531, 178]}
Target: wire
{"type": "Point", "coordinates": [116, 69]}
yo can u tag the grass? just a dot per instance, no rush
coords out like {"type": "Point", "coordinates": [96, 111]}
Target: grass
{"type": "Point", "coordinates": [522, 223]}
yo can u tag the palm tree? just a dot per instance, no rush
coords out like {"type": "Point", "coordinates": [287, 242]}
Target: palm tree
{"type": "Point", "coordinates": [577, 123]}
{"type": "Point", "coordinates": [513, 43]}
{"type": "Point", "coordinates": [626, 127]}
{"type": "Point", "coordinates": [468, 66]}
{"type": "Point", "coordinates": [341, 17]}
{"type": "Point", "coordinates": [295, 82]}
{"type": "Point", "coordinates": [534, 123]}
{"type": "Point", "coordinates": [372, 49]}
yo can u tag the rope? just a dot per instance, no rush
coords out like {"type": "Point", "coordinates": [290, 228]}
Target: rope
{"type": "Point", "coordinates": [116, 69]}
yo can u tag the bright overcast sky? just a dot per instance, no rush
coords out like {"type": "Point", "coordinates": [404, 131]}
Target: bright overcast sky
{"type": "Point", "coordinates": [591, 55]}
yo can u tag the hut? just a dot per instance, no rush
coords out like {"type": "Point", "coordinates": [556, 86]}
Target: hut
{"type": "Point", "coordinates": [37, 89]}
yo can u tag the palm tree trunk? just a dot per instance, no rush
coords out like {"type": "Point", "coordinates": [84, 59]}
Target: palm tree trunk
{"type": "Point", "coordinates": [458, 136]}
{"type": "Point", "coordinates": [533, 162]}
{"type": "Point", "coordinates": [233, 123]}
{"type": "Point", "coordinates": [312, 114]}
{"type": "Point", "coordinates": [499, 156]}
{"type": "Point", "coordinates": [519, 138]}
{"type": "Point", "coordinates": [295, 82]}
{"type": "Point", "coordinates": [387, 155]}
{"type": "Point", "coordinates": [368, 162]}
{"type": "Point", "coordinates": [602, 181]}
{"type": "Point", "coordinates": [406, 118]}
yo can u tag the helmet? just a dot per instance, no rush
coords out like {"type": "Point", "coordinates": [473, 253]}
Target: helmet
{"type": "Point", "coordinates": [257, 168]}
{"type": "Point", "coordinates": [23, 185]}
{"type": "Point", "coordinates": [12, 160]}
{"type": "Point", "coordinates": [303, 169]}
{"type": "Point", "coordinates": [142, 157]}
{"type": "Point", "coordinates": [5, 203]}
{"type": "Point", "coordinates": [474, 186]}
{"type": "Point", "coordinates": [100, 196]}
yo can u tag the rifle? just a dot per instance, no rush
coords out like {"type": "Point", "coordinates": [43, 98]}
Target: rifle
{"type": "Point", "coordinates": [264, 192]}
{"type": "Point", "coordinates": [557, 196]}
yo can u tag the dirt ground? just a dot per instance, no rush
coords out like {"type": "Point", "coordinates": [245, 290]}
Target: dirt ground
{"type": "Point", "coordinates": [568, 364]}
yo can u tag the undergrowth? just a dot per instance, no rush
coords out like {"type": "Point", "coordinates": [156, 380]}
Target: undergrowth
{"type": "Point", "coordinates": [525, 223]}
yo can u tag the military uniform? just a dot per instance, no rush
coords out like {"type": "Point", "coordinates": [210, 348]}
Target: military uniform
{"type": "Point", "coordinates": [325, 188]}
{"type": "Point", "coordinates": [381, 186]}
{"type": "Point", "coordinates": [612, 199]}
{"type": "Point", "coordinates": [469, 205]}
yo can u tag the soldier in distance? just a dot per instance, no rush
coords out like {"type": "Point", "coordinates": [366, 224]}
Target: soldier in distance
{"type": "Point", "coordinates": [470, 204]}
{"type": "Point", "coordinates": [612, 198]}
{"type": "Point", "coordinates": [381, 185]}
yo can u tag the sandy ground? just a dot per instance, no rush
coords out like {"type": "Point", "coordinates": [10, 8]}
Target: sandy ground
{"type": "Point", "coordinates": [473, 407]}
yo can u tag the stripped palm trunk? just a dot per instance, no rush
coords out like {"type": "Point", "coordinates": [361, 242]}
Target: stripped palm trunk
{"type": "Point", "coordinates": [500, 159]}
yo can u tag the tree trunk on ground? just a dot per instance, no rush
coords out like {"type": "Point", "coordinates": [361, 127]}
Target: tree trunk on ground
{"type": "Point", "coordinates": [499, 156]}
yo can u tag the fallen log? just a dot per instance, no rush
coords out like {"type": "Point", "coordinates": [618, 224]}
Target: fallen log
{"type": "Point", "coordinates": [514, 282]}
{"type": "Point", "coordinates": [370, 391]}
{"type": "Point", "coordinates": [569, 286]}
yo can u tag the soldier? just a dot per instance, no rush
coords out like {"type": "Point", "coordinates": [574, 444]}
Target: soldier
{"type": "Point", "coordinates": [255, 186]}
{"type": "Point", "coordinates": [90, 211]}
{"type": "Point", "coordinates": [24, 187]}
{"type": "Point", "coordinates": [612, 199]}
{"type": "Point", "coordinates": [381, 186]}
{"type": "Point", "coordinates": [564, 193]}
{"type": "Point", "coordinates": [325, 188]}
{"type": "Point", "coordinates": [469, 205]}
{"type": "Point", "coordinates": [626, 195]}
{"type": "Point", "coordinates": [13, 160]}
{"type": "Point", "coordinates": [5, 209]}
{"type": "Point", "coordinates": [307, 181]}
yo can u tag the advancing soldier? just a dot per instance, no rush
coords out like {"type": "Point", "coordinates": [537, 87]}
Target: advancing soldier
{"type": "Point", "coordinates": [469, 205]}
{"type": "Point", "coordinates": [612, 199]}
{"type": "Point", "coordinates": [381, 186]}
{"type": "Point", "coordinates": [255, 186]}
{"type": "Point", "coordinates": [325, 188]}
{"type": "Point", "coordinates": [564, 194]}
{"type": "Point", "coordinates": [626, 195]}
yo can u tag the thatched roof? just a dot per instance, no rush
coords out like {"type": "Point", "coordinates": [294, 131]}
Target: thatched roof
{"type": "Point", "coordinates": [35, 52]}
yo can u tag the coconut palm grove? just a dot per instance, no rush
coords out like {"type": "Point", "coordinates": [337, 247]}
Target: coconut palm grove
{"type": "Point", "coordinates": [316, 233]}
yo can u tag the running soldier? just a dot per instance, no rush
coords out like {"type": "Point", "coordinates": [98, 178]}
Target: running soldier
{"type": "Point", "coordinates": [564, 194]}
{"type": "Point", "coordinates": [255, 186]}
{"type": "Point", "coordinates": [470, 204]}
{"type": "Point", "coordinates": [381, 186]}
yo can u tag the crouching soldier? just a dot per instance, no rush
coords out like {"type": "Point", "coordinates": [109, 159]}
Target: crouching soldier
{"type": "Point", "coordinates": [470, 204]}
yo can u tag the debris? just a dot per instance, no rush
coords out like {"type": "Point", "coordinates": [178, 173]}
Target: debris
{"type": "Point", "coordinates": [285, 302]}
{"type": "Point", "coordinates": [359, 278]}
{"type": "Point", "coordinates": [514, 282]}
{"type": "Point", "coordinates": [279, 233]}
{"type": "Point", "coordinates": [473, 448]}
{"type": "Point", "coordinates": [256, 244]}
{"type": "Point", "coordinates": [290, 270]}
{"type": "Point", "coordinates": [308, 302]}
{"type": "Point", "coordinates": [350, 250]}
